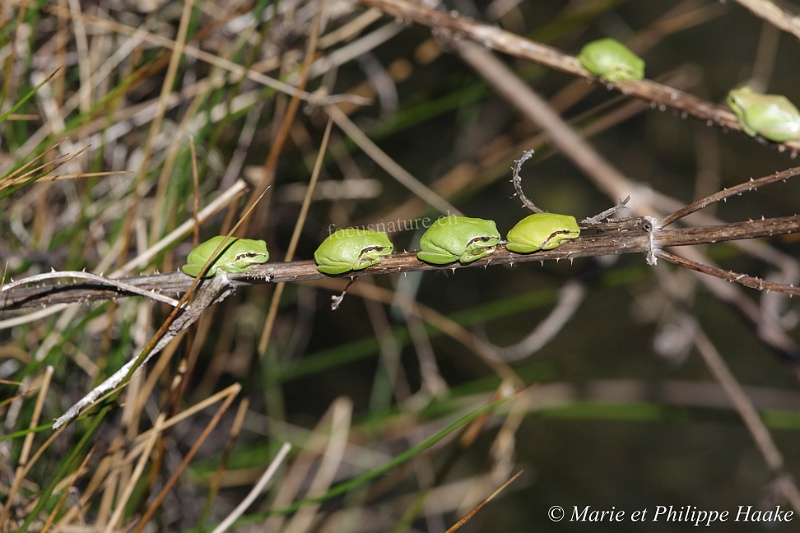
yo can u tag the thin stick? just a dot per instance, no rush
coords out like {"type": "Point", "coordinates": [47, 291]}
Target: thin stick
{"type": "Point", "coordinates": [388, 164]}
{"type": "Point", "coordinates": [728, 275]}
{"type": "Point", "coordinates": [517, 181]}
{"type": "Point", "coordinates": [218, 289]}
{"type": "Point", "coordinates": [136, 475]}
{"type": "Point", "coordinates": [736, 190]}
{"type": "Point", "coordinates": [748, 413]}
{"type": "Point", "coordinates": [121, 285]}
{"type": "Point", "coordinates": [481, 505]}
{"type": "Point", "coordinates": [256, 490]}
{"type": "Point", "coordinates": [272, 314]}
{"type": "Point", "coordinates": [189, 456]}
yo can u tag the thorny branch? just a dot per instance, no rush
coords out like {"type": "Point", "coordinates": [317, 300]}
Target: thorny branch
{"type": "Point", "coordinates": [451, 24]}
{"type": "Point", "coordinates": [611, 238]}
{"type": "Point", "coordinates": [215, 291]}
{"type": "Point", "coordinates": [747, 281]}
{"type": "Point", "coordinates": [516, 180]}
{"type": "Point", "coordinates": [748, 186]}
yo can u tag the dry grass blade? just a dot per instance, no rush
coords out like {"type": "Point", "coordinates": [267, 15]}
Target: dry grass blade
{"type": "Point", "coordinates": [66, 492]}
{"type": "Point", "coordinates": [144, 458]}
{"type": "Point", "coordinates": [314, 469]}
{"type": "Point", "coordinates": [288, 118]}
{"type": "Point", "coordinates": [269, 473]}
{"type": "Point", "coordinates": [24, 465]}
{"type": "Point", "coordinates": [481, 505]}
{"type": "Point", "coordinates": [159, 499]}
{"type": "Point", "coordinates": [389, 165]}
{"type": "Point", "coordinates": [25, 98]}
{"type": "Point", "coordinates": [216, 481]}
{"type": "Point", "coordinates": [750, 416]}
{"type": "Point", "coordinates": [276, 296]}
{"type": "Point", "coordinates": [24, 175]}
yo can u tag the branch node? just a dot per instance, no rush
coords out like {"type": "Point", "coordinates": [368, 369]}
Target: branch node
{"type": "Point", "coordinates": [652, 224]}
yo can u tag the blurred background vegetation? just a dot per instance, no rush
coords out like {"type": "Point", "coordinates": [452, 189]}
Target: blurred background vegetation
{"type": "Point", "coordinates": [621, 411]}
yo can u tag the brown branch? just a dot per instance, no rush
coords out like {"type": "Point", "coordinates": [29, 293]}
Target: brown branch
{"type": "Point", "coordinates": [612, 238]}
{"type": "Point", "coordinates": [747, 281]}
{"type": "Point", "coordinates": [451, 24]}
{"type": "Point", "coordinates": [727, 232]}
{"type": "Point", "coordinates": [775, 15]}
{"type": "Point", "coordinates": [724, 194]}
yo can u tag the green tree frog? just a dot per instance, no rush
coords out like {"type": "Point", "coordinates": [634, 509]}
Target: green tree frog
{"type": "Point", "coordinates": [611, 60]}
{"type": "Point", "coordinates": [236, 256]}
{"type": "Point", "coordinates": [772, 116]}
{"type": "Point", "coordinates": [454, 238]}
{"type": "Point", "coordinates": [351, 249]}
{"type": "Point", "coordinates": [542, 231]}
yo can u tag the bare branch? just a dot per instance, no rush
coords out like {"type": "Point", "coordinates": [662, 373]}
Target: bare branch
{"type": "Point", "coordinates": [516, 179]}
{"type": "Point", "coordinates": [119, 284]}
{"type": "Point", "coordinates": [217, 290]}
{"type": "Point", "coordinates": [774, 14]}
{"type": "Point", "coordinates": [612, 238]}
{"type": "Point", "coordinates": [737, 190]}
{"type": "Point", "coordinates": [450, 24]}
{"type": "Point", "coordinates": [747, 281]}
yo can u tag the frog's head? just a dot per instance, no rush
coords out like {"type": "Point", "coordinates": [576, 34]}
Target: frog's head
{"type": "Point", "coordinates": [738, 98]}
{"type": "Point", "coordinates": [482, 245]}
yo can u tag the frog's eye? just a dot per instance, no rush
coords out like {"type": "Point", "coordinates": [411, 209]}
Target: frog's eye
{"type": "Point", "coordinates": [245, 255]}
{"type": "Point", "coordinates": [476, 240]}
{"type": "Point", "coordinates": [553, 236]}
{"type": "Point", "coordinates": [365, 256]}
{"type": "Point", "coordinates": [375, 248]}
